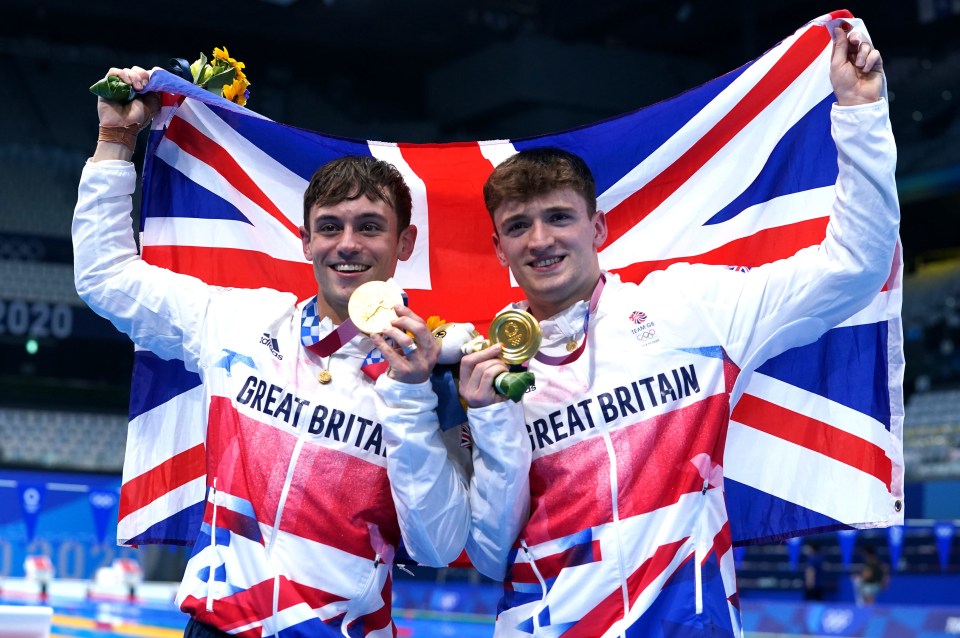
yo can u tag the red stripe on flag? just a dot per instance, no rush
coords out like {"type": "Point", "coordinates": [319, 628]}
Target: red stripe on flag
{"type": "Point", "coordinates": [175, 472]}
{"type": "Point", "coordinates": [315, 598]}
{"type": "Point", "coordinates": [814, 435]}
{"type": "Point", "coordinates": [377, 619]}
{"type": "Point", "coordinates": [760, 248]}
{"type": "Point", "coordinates": [722, 542]}
{"type": "Point", "coordinates": [784, 72]}
{"type": "Point", "coordinates": [551, 566]}
{"type": "Point", "coordinates": [255, 604]}
{"type": "Point", "coordinates": [467, 281]}
{"type": "Point", "coordinates": [610, 610]}
{"type": "Point", "coordinates": [247, 269]}
{"type": "Point", "coordinates": [236, 522]}
{"type": "Point", "coordinates": [191, 140]}
{"type": "Point", "coordinates": [169, 99]}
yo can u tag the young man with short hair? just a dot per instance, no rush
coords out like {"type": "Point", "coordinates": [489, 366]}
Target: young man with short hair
{"type": "Point", "coordinates": [314, 470]}
{"type": "Point", "coordinates": [627, 531]}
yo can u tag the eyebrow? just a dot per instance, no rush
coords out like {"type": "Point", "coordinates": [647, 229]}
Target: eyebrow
{"type": "Point", "coordinates": [526, 215]}
{"type": "Point", "coordinates": [513, 217]}
{"type": "Point", "coordinates": [360, 219]}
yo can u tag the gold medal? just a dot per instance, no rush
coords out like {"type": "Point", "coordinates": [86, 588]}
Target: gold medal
{"type": "Point", "coordinates": [572, 345]}
{"type": "Point", "coordinates": [324, 377]}
{"type": "Point", "coordinates": [371, 306]}
{"type": "Point", "coordinates": [519, 334]}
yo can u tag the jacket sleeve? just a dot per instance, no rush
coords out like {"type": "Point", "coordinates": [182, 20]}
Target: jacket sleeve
{"type": "Point", "coordinates": [500, 486]}
{"type": "Point", "coordinates": [791, 302]}
{"type": "Point", "coordinates": [158, 309]}
{"type": "Point", "coordinates": [429, 489]}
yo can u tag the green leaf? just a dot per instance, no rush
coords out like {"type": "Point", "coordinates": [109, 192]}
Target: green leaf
{"type": "Point", "coordinates": [113, 88]}
{"type": "Point", "coordinates": [197, 67]}
{"type": "Point", "coordinates": [205, 74]}
{"type": "Point", "coordinates": [222, 78]}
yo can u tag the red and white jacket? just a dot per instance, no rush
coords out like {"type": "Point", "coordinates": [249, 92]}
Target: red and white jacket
{"type": "Point", "coordinates": [310, 487]}
{"type": "Point", "coordinates": [627, 531]}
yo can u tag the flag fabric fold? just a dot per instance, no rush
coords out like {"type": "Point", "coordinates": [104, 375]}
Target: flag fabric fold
{"type": "Point", "coordinates": [737, 172]}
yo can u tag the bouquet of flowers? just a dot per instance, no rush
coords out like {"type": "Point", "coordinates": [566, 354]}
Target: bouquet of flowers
{"type": "Point", "coordinates": [221, 75]}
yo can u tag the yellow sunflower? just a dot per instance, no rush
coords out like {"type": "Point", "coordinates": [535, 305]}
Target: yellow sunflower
{"type": "Point", "coordinates": [237, 91]}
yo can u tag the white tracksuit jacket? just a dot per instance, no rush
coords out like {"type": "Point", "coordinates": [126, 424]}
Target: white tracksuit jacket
{"type": "Point", "coordinates": [628, 531]}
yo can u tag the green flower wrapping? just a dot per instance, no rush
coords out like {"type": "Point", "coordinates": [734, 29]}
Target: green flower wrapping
{"type": "Point", "coordinates": [113, 88]}
{"type": "Point", "coordinates": [513, 384]}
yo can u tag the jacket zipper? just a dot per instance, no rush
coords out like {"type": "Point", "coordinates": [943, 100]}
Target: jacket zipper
{"type": "Point", "coordinates": [281, 502]}
{"type": "Point", "coordinates": [543, 584]}
{"type": "Point", "coordinates": [615, 512]}
{"type": "Point", "coordinates": [213, 548]}
{"type": "Point", "coordinates": [699, 551]}
{"type": "Point", "coordinates": [287, 481]}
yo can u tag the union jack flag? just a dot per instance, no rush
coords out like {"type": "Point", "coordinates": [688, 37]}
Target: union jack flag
{"type": "Point", "coordinates": [738, 171]}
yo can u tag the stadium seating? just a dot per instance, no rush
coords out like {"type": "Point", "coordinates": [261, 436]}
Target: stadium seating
{"type": "Point", "coordinates": [62, 440]}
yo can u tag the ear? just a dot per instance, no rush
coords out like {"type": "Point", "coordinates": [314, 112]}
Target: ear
{"type": "Point", "coordinates": [406, 242]}
{"type": "Point", "coordinates": [599, 229]}
{"type": "Point", "coordinates": [305, 239]}
{"type": "Point", "coordinates": [501, 257]}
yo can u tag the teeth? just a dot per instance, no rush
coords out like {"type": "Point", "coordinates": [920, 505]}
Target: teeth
{"type": "Point", "coordinates": [546, 262]}
{"type": "Point", "coordinates": [350, 267]}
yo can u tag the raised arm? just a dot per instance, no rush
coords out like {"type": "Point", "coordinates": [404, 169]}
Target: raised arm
{"type": "Point", "coordinates": [157, 309]}
{"type": "Point", "coordinates": [791, 302]}
{"type": "Point", "coordinates": [121, 122]}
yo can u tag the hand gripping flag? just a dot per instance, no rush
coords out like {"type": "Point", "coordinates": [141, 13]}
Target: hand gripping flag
{"type": "Point", "coordinates": [737, 172]}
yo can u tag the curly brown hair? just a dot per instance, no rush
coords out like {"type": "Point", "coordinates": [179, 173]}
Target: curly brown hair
{"type": "Point", "coordinates": [353, 176]}
{"type": "Point", "coordinates": [538, 171]}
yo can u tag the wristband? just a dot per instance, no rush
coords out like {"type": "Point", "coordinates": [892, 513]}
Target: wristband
{"type": "Point", "coordinates": [126, 135]}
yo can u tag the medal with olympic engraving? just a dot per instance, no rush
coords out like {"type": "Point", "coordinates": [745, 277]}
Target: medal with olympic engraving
{"type": "Point", "coordinates": [371, 305]}
{"type": "Point", "coordinates": [519, 334]}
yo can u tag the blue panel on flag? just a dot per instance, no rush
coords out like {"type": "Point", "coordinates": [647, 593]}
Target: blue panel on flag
{"type": "Point", "coordinates": [179, 529]}
{"type": "Point", "coordinates": [805, 158]}
{"type": "Point", "coordinates": [169, 189]}
{"type": "Point", "coordinates": [616, 146]}
{"type": "Point", "coordinates": [156, 381]}
{"type": "Point", "coordinates": [846, 365]}
{"type": "Point", "coordinates": [670, 614]}
{"type": "Point", "coordinates": [301, 151]}
{"type": "Point", "coordinates": [757, 516]}
{"type": "Point", "coordinates": [316, 628]}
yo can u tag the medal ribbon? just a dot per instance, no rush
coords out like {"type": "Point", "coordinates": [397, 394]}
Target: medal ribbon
{"type": "Point", "coordinates": [573, 356]}
{"type": "Point", "coordinates": [335, 340]}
